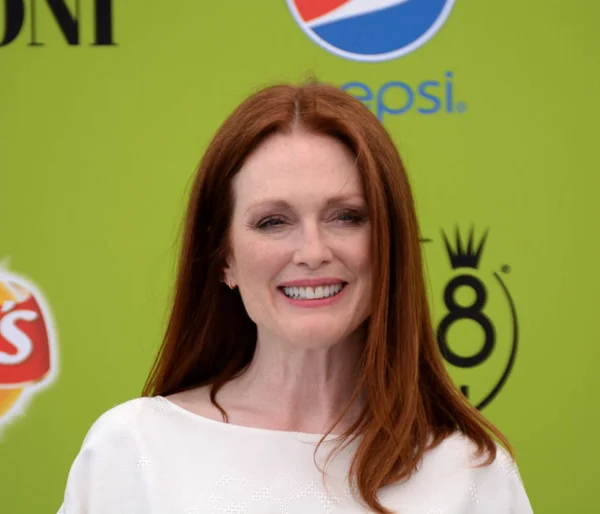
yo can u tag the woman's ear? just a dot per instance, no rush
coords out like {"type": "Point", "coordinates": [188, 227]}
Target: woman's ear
{"type": "Point", "coordinates": [229, 276]}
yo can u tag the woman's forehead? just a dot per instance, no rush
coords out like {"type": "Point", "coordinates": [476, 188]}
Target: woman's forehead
{"type": "Point", "coordinates": [288, 164]}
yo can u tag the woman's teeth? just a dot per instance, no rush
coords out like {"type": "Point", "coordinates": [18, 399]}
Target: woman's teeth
{"type": "Point", "coordinates": [312, 293]}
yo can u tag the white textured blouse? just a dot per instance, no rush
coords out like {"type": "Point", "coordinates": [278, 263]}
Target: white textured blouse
{"type": "Point", "coordinates": [150, 456]}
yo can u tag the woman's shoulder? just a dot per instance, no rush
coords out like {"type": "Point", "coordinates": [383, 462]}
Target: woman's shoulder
{"type": "Point", "coordinates": [458, 452]}
{"type": "Point", "coordinates": [457, 463]}
{"type": "Point", "coordinates": [122, 420]}
{"type": "Point", "coordinates": [112, 459]}
{"type": "Point", "coordinates": [454, 477]}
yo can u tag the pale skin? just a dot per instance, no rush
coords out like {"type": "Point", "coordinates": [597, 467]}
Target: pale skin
{"type": "Point", "coordinates": [299, 213]}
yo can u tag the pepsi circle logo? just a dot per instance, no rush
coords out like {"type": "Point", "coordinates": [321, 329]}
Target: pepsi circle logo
{"type": "Point", "coordinates": [370, 30]}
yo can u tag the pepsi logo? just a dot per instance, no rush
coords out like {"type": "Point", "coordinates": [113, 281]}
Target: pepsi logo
{"type": "Point", "coordinates": [370, 30]}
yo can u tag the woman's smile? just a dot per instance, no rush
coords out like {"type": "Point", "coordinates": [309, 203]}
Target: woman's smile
{"type": "Point", "coordinates": [313, 296]}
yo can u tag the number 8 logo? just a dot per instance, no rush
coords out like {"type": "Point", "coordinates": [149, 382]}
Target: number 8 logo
{"type": "Point", "coordinates": [473, 312]}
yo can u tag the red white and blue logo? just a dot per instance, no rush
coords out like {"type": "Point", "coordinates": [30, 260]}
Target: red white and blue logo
{"type": "Point", "coordinates": [370, 30]}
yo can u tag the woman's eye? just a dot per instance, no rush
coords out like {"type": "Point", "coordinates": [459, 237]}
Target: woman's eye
{"type": "Point", "coordinates": [268, 223]}
{"type": "Point", "coordinates": [347, 217]}
{"type": "Point", "coordinates": [351, 217]}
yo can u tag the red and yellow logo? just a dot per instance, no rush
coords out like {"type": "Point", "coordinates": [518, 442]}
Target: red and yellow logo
{"type": "Point", "coordinates": [27, 345]}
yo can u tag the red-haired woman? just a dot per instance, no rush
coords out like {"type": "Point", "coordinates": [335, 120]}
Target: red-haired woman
{"type": "Point", "coordinates": [299, 373]}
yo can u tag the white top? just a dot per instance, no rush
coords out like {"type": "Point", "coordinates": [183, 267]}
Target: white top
{"type": "Point", "coordinates": [150, 456]}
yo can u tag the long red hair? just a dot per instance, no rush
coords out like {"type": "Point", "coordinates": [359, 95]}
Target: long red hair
{"type": "Point", "coordinates": [412, 404]}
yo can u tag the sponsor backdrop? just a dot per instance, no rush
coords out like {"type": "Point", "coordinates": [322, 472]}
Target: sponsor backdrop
{"type": "Point", "coordinates": [106, 108]}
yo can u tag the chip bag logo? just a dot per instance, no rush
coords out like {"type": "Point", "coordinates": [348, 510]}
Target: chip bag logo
{"type": "Point", "coordinates": [27, 345]}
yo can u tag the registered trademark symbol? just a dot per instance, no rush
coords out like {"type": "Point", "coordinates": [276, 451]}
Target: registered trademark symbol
{"type": "Point", "coordinates": [506, 268]}
{"type": "Point", "coordinates": [461, 107]}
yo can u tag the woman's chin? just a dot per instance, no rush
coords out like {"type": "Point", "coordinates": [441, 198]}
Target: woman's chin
{"type": "Point", "coordinates": [312, 338]}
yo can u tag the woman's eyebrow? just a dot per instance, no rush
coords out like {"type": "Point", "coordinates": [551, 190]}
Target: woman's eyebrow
{"type": "Point", "coordinates": [283, 204]}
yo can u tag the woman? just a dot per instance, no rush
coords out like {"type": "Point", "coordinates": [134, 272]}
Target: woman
{"type": "Point", "coordinates": [299, 373]}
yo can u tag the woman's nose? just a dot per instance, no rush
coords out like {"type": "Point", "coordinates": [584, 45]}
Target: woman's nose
{"type": "Point", "coordinates": [312, 247]}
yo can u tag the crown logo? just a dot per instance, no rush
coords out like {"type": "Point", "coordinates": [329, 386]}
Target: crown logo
{"type": "Point", "coordinates": [461, 257]}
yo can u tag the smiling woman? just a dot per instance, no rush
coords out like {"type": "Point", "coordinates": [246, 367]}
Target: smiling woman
{"type": "Point", "coordinates": [321, 336]}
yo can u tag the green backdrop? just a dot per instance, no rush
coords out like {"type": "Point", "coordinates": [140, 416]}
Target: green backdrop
{"type": "Point", "coordinates": [98, 144]}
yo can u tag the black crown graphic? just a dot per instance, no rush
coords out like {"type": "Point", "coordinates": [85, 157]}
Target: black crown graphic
{"type": "Point", "coordinates": [461, 257]}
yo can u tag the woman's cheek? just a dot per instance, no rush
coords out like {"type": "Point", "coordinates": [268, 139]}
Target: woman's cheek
{"type": "Point", "coordinates": [261, 256]}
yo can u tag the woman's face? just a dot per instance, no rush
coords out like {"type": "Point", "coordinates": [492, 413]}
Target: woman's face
{"type": "Point", "coordinates": [300, 240]}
